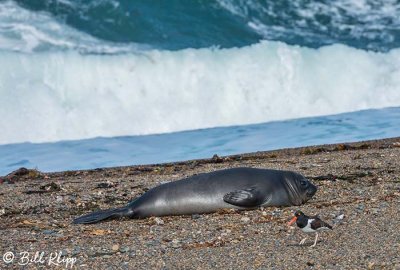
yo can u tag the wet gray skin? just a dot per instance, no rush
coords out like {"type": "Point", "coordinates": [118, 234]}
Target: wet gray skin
{"type": "Point", "coordinates": [239, 188]}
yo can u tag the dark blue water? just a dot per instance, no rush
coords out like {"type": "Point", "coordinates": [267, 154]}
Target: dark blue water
{"type": "Point", "coordinates": [179, 24]}
{"type": "Point", "coordinates": [119, 151]}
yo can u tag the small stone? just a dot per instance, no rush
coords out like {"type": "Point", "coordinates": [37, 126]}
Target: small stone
{"type": "Point", "coordinates": [382, 205]}
{"type": "Point", "coordinates": [132, 254]}
{"type": "Point", "coordinates": [115, 247]}
{"type": "Point", "coordinates": [310, 263]}
{"type": "Point", "coordinates": [159, 221]}
{"type": "Point", "coordinates": [49, 232]}
{"type": "Point", "coordinates": [124, 249]}
{"type": "Point", "coordinates": [359, 191]}
{"type": "Point", "coordinates": [2, 212]}
{"type": "Point", "coordinates": [360, 208]}
{"type": "Point", "coordinates": [196, 216]}
{"type": "Point", "coordinates": [76, 251]}
{"type": "Point", "coordinates": [59, 199]}
{"type": "Point", "coordinates": [340, 217]}
{"type": "Point", "coordinates": [245, 219]}
{"type": "Point", "coordinates": [176, 243]}
{"type": "Point", "coordinates": [276, 212]}
{"type": "Point", "coordinates": [375, 211]}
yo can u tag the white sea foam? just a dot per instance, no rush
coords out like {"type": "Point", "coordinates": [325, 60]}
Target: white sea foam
{"type": "Point", "coordinates": [51, 96]}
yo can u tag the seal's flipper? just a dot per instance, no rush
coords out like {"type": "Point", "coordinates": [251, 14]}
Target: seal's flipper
{"type": "Point", "coordinates": [102, 215]}
{"type": "Point", "coordinates": [250, 197]}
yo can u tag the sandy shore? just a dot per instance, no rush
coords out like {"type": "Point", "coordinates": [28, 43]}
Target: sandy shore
{"type": "Point", "coordinates": [359, 180]}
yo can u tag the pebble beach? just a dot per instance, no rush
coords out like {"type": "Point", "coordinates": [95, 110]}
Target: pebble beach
{"type": "Point", "coordinates": [359, 194]}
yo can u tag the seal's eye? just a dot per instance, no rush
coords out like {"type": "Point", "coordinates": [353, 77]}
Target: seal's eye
{"type": "Point", "coordinates": [303, 183]}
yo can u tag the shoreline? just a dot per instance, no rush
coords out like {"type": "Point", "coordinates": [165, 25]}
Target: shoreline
{"type": "Point", "coordinates": [303, 150]}
{"type": "Point", "coordinates": [360, 180]}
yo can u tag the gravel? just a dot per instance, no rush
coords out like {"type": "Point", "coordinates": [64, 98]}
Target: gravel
{"type": "Point", "coordinates": [359, 194]}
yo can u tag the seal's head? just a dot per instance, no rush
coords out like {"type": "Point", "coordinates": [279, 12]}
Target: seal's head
{"type": "Point", "coordinates": [301, 190]}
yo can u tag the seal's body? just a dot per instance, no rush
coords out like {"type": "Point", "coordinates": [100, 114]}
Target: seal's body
{"type": "Point", "coordinates": [240, 188]}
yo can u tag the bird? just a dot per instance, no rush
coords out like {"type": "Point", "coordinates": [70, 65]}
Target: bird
{"type": "Point", "coordinates": [308, 224]}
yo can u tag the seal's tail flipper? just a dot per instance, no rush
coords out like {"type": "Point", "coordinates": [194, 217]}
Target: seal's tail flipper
{"type": "Point", "coordinates": [103, 215]}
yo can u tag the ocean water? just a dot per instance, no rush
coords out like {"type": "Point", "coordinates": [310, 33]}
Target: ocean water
{"type": "Point", "coordinates": [99, 83]}
{"type": "Point", "coordinates": [204, 143]}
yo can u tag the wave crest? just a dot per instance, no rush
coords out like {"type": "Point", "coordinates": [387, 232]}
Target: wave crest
{"type": "Point", "coordinates": [52, 96]}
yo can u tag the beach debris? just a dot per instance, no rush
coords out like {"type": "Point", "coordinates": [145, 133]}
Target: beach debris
{"type": "Point", "coordinates": [312, 150]}
{"type": "Point", "coordinates": [27, 223]}
{"type": "Point", "coordinates": [342, 147]}
{"type": "Point", "coordinates": [52, 187]}
{"type": "Point", "coordinates": [21, 174]}
{"type": "Point", "coordinates": [329, 177]}
{"type": "Point", "coordinates": [106, 185]}
{"type": "Point", "coordinates": [99, 232]}
{"type": "Point", "coordinates": [347, 177]}
{"type": "Point", "coordinates": [196, 216]}
{"type": "Point", "coordinates": [217, 159]}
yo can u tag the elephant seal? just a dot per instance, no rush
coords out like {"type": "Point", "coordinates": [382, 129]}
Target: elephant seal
{"type": "Point", "coordinates": [239, 188]}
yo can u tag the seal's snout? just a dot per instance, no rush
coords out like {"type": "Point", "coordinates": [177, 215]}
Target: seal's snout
{"type": "Point", "coordinates": [311, 190]}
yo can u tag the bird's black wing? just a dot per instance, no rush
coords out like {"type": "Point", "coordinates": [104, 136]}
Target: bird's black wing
{"type": "Point", "coordinates": [317, 223]}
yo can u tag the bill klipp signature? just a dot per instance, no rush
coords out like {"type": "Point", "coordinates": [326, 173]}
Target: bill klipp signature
{"type": "Point", "coordinates": [39, 257]}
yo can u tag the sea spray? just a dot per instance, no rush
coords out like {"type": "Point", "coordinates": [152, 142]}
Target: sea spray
{"type": "Point", "coordinates": [53, 96]}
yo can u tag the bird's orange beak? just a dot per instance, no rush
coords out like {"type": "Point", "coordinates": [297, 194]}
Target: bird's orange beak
{"type": "Point", "coordinates": [293, 220]}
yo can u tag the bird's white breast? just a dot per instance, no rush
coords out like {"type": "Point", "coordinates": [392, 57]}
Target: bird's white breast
{"type": "Point", "coordinates": [307, 228]}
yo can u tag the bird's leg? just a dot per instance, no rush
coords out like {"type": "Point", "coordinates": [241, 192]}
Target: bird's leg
{"type": "Point", "coordinates": [302, 241]}
{"type": "Point", "coordinates": [316, 239]}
